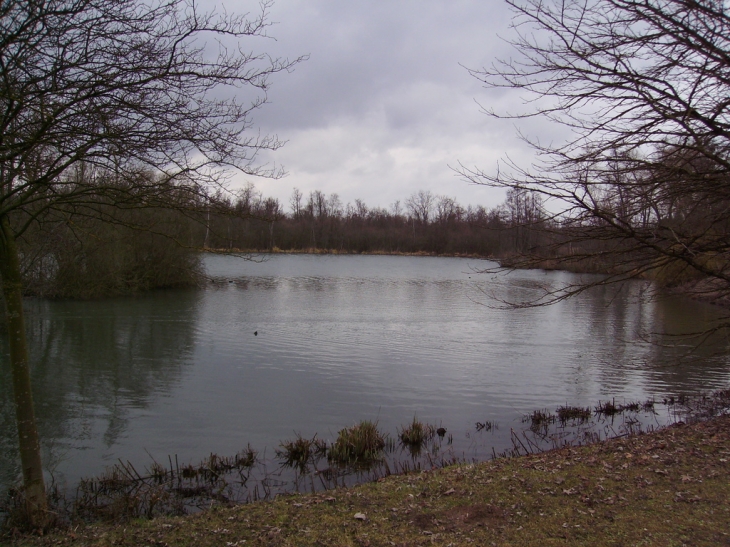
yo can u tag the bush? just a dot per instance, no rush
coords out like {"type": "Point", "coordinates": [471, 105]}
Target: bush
{"type": "Point", "coordinates": [90, 258]}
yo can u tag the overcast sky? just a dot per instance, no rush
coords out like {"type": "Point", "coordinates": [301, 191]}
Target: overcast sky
{"type": "Point", "coordinates": [384, 104]}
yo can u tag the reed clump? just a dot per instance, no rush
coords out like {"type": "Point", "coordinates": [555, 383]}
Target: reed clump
{"type": "Point", "coordinates": [569, 413]}
{"type": "Point", "coordinates": [631, 406]}
{"type": "Point", "coordinates": [246, 458]}
{"type": "Point", "coordinates": [416, 434]}
{"type": "Point", "coordinates": [360, 444]}
{"type": "Point", "coordinates": [539, 420]}
{"type": "Point", "coordinates": [487, 425]}
{"type": "Point", "coordinates": [608, 408]}
{"type": "Point", "coordinates": [301, 451]}
{"type": "Point", "coordinates": [648, 405]}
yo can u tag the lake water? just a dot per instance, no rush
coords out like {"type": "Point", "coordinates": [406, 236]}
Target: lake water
{"type": "Point", "coordinates": [340, 339]}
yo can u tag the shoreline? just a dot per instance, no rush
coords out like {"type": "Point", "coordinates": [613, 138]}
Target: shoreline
{"type": "Point", "coordinates": [317, 251]}
{"type": "Point", "coordinates": [705, 291]}
{"type": "Point", "coordinates": [665, 487]}
{"type": "Point", "coordinates": [669, 487]}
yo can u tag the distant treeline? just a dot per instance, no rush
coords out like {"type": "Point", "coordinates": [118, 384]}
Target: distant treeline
{"type": "Point", "coordinates": [107, 250]}
{"type": "Point", "coordinates": [111, 251]}
{"type": "Point", "coordinates": [520, 232]}
{"type": "Point", "coordinates": [423, 223]}
{"type": "Point", "coordinates": [104, 251]}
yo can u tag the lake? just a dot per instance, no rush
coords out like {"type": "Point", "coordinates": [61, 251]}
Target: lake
{"type": "Point", "coordinates": [311, 344]}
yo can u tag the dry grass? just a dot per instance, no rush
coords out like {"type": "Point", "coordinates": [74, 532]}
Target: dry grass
{"type": "Point", "coordinates": [665, 488]}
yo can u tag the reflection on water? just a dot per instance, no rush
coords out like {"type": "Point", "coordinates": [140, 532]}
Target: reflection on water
{"type": "Point", "coordinates": [340, 338]}
{"type": "Point", "coordinates": [95, 366]}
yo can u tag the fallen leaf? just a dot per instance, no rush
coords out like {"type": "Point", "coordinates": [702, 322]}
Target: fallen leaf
{"type": "Point", "coordinates": [361, 516]}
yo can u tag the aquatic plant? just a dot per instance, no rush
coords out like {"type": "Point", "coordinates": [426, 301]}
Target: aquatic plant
{"type": "Point", "coordinates": [631, 406]}
{"type": "Point", "coordinates": [246, 458]}
{"type": "Point", "coordinates": [573, 413]}
{"type": "Point", "coordinates": [300, 452]}
{"type": "Point", "coordinates": [360, 444]}
{"type": "Point", "coordinates": [416, 434]}
{"type": "Point", "coordinates": [539, 420]}
{"type": "Point", "coordinates": [608, 408]}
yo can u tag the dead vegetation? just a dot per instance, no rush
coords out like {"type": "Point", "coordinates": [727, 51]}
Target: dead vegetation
{"type": "Point", "coordinates": [669, 487]}
{"type": "Point", "coordinates": [606, 493]}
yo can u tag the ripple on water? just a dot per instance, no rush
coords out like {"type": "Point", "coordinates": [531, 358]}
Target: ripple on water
{"type": "Point", "coordinates": [340, 338]}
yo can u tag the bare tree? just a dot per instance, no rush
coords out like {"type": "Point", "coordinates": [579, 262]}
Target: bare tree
{"type": "Point", "coordinates": [318, 205]}
{"type": "Point", "coordinates": [523, 214]}
{"type": "Point", "coordinates": [420, 205]}
{"type": "Point", "coordinates": [334, 205]}
{"type": "Point", "coordinates": [95, 94]}
{"type": "Point", "coordinates": [273, 212]}
{"type": "Point", "coordinates": [447, 210]}
{"type": "Point", "coordinates": [642, 185]}
{"type": "Point", "coordinates": [361, 209]}
{"type": "Point", "coordinates": [295, 202]}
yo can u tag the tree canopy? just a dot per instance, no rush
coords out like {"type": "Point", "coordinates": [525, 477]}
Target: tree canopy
{"type": "Point", "coordinates": [642, 87]}
{"type": "Point", "coordinates": [117, 104]}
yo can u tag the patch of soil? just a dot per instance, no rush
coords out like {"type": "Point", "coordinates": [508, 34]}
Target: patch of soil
{"type": "Point", "coordinates": [462, 518]}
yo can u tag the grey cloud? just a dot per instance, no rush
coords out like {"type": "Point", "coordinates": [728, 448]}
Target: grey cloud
{"type": "Point", "coordinates": [383, 107]}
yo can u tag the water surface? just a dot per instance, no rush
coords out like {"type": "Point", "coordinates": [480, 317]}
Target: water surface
{"type": "Point", "coordinates": [340, 338]}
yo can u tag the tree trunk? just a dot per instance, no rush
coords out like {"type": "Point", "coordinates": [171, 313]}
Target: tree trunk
{"type": "Point", "coordinates": [30, 449]}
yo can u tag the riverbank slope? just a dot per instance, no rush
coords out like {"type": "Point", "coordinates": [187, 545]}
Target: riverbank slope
{"type": "Point", "coordinates": [670, 487]}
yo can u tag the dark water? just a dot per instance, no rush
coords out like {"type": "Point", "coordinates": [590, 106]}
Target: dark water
{"type": "Point", "coordinates": [340, 338]}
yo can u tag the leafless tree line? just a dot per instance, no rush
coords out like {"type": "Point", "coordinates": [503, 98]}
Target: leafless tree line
{"type": "Point", "coordinates": [120, 251]}
{"type": "Point", "coordinates": [424, 222]}
{"type": "Point", "coordinates": [641, 184]}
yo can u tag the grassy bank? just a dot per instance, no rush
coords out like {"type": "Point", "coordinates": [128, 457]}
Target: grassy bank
{"type": "Point", "coordinates": [669, 487]}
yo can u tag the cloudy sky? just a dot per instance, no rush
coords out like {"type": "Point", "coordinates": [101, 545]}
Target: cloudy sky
{"type": "Point", "coordinates": [384, 104]}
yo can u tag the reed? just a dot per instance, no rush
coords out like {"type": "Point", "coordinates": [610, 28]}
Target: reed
{"type": "Point", "coordinates": [573, 414]}
{"type": "Point", "coordinates": [301, 451]}
{"type": "Point", "coordinates": [360, 444]}
{"type": "Point", "coordinates": [416, 434]}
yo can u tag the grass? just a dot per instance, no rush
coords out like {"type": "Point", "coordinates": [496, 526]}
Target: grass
{"type": "Point", "coordinates": [487, 425]}
{"type": "Point", "coordinates": [331, 251]}
{"type": "Point", "coordinates": [361, 444]}
{"type": "Point", "coordinates": [608, 408]}
{"type": "Point", "coordinates": [416, 434]}
{"type": "Point", "coordinates": [300, 452]}
{"type": "Point", "coordinates": [667, 488]}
